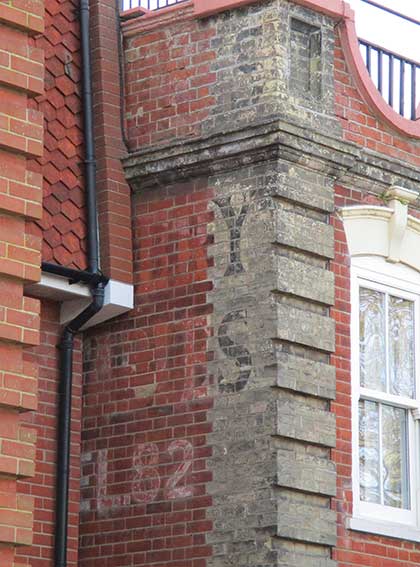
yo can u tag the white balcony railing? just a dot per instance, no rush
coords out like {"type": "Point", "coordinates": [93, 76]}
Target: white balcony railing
{"type": "Point", "coordinates": [389, 45]}
{"type": "Point", "coordinates": [148, 4]}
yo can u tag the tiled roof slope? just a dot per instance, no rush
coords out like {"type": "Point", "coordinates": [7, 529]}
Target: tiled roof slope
{"type": "Point", "coordinates": [63, 223]}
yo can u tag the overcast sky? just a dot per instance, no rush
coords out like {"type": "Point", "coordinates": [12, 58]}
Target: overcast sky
{"type": "Point", "coordinates": [387, 30]}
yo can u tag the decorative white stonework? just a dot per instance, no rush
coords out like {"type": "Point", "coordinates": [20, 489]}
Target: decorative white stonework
{"type": "Point", "coordinates": [387, 231]}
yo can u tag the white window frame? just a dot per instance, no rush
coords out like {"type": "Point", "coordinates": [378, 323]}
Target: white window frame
{"type": "Point", "coordinates": [376, 273]}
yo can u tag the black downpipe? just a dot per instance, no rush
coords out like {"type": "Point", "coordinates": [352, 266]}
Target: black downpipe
{"type": "Point", "coordinates": [90, 160]}
{"type": "Point", "coordinates": [96, 281]}
{"type": "Point", "coordinates": [64, 422]}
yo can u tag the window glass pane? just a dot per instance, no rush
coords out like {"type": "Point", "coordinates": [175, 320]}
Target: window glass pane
{"type": "Point", "coordinates": [369, 459]}
{"type": "Point", "coordinates": [401, 346]}
{"type": "Point", "coordinates": [372, 340]}
{"type": "Point", "coordinates": [395, 457]}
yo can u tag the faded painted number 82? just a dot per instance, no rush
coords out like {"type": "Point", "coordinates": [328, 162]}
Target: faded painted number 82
{"type": "Point", "coordinates": [147, 481]}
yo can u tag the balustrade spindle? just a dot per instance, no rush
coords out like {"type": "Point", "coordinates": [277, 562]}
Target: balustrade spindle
{"type": "Point", "coordinates": [380, 72]}
{"type": "Point", "coordinates": [391, 81]}
{"type": "Point", "coordinates": [413, 90]}
{"type": "Point", "coordinates": [402, 75]}
{"type": "Point", "coordinates": [368, 58]}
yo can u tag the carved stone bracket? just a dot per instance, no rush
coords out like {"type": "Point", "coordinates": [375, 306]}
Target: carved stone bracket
{"type": "Point", "coordinates": [399, 198]}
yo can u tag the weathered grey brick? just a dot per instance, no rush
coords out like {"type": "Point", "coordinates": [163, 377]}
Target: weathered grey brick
{"type": "Point", "coordinates": [306, 518]}
{"type": "Point", "coordinates": [292, 554]}
{"type": "Point", "coordinates": [298, 420]}
{"type": "Point", "coordinates": [304, 280]}
{"type": "Point", "coordinates": [305, 59]}
{"type": "Point", "coordinates": [302, 185]}
{"type": "Point", "coordinates": [262, 293]}
{"type": "Point", "coordinates": [304, 233]}
{"type": "Point", "coordinates": [303, 471]}
{"type": "Point", "coordinates": [305, 375]}
{"type": "Point", "coordinates": [306, 328]}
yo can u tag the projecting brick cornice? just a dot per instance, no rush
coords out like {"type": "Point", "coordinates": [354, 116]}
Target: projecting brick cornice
{"type": "Point", "coordinates": [223, 151]}
{"type": "Point", "coordinates": [207, 156]}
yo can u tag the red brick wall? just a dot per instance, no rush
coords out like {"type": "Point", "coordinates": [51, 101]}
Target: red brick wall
{"type": "Point", "coordinates": [167, 79]}
{"type": "Point", "coordinates": [44, 422]}
{"type": "Point", "coordinates": [360, 126]}
{"type": "Point", "coordinates": [145, 426]}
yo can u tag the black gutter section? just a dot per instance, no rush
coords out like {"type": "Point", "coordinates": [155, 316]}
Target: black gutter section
{"type": "Point", "coordinates": [74, 276]}
{"type": "Point", "coordinates": [96, 281]}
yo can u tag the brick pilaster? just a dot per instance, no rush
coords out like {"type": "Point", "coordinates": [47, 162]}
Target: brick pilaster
{"type": "Point", "coordinates": [114, 203]}
{"type": "Point", "coordinates": [21, 72]}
